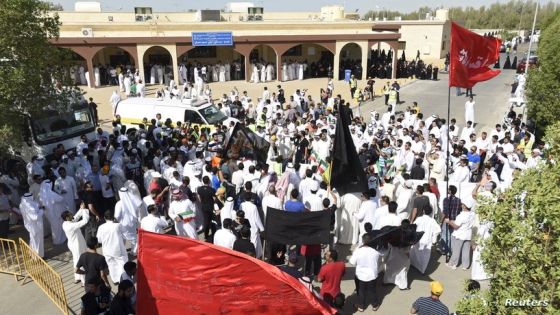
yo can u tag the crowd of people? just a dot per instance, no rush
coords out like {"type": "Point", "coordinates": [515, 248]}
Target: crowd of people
{"type": "Point", "coordinates": [171, 177]}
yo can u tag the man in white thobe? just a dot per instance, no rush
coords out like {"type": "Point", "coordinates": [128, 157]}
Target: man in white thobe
{"type": "Point", "coordinates": [367, 210]}
{"type": "Point", "coordinates": [421, 251]}
{"type": "Point", "coordinates": [110, 235]}
{"type": "Point", "coordinates": [224, 236]}
{"type": "Point", "coordinates": [183, 212]}
{"type": "Point", "coordinates": [126, 213]}
{"type": "Point", "coordinates": [271, 200]}
{"type": "Point", "coordinates": [76, 243]}
{"type": "Point", "coordinates": [462, 172]}
{"type": "Point", "coordinates": [53, 205]}
{"type": "Point", "coordinates": [312, 201]}
{"type": "Point", "coordinates": [391, 219]}
{"type": "Point", "coordinates": [252, 214]}
{"type": "Point", "coordinates": [348, 225]}
{"type": "Point", "coordinates": [66, 187]}
{"type": "Point", "coordinates": [153, 222]}
{"type": "Point", "coordinates": [307, 184]}
{"type": "Point", "coordinates": [469, 110]}
{"type": "Point", "coordinates": [33, 222]}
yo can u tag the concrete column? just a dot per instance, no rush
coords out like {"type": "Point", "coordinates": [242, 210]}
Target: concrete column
{"type": "Point", "coordinates": [278, 67]}
{"type": "Point", "coordinates": [90, 72]}
{"type": "Point", "coordinates": [365, 55]}
{"type": "Point", "coordinates": [140, 61]}
{"type": "Point", "coordinates": [174, 61]}
{"type": "Point", "coordinates": [248, 69]}
{"type": "Point", "coordinates": [336, 66]}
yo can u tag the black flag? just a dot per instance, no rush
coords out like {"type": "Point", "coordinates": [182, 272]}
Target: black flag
{"type": "Point", "coordinates": [245, 143]}
{"type": "Point", "coordinates": [347, 174]}
{"type": "Point", "coordinates": [298, 228]}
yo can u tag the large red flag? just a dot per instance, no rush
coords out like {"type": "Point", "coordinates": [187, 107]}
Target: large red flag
{"type": "Point", "coordinates": [178, 276]}
{"type": "Point", "coordinates": [471, 56]}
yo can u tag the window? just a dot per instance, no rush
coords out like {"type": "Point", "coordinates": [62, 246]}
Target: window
{"type": "Point", "coordinates": [193, 117]}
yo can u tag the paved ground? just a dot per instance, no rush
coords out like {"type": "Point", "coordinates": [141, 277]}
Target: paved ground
{"type": "Point", "coordinates": [491, 98]}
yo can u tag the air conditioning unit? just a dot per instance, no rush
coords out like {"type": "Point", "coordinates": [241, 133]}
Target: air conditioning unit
{"type": "Point", "coordinates": [87, 32]}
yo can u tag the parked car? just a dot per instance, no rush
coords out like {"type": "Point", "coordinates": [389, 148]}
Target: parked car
{"type": "Point", "coordinates": [533, 62]}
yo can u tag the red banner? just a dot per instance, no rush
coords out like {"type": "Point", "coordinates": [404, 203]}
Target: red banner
{"type": "Point", "coordinates": [178, 276]}
{"type": "Point", "coordinates": [471, 56]}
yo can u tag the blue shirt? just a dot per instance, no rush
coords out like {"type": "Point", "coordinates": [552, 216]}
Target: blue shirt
{"type": "Point", "coordinates": [473, 158]}
{"type": "Point", "coordinates": [294, 206]}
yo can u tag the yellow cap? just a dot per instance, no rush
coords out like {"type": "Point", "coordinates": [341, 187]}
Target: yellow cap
{"type": "Point", "coordinates": [436, 287]}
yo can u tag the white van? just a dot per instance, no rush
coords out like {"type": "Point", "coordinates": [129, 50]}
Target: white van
{"type": "Point", "coordinates": [42, 134]}
{"type": "Point", "coordinates": [201, 112]}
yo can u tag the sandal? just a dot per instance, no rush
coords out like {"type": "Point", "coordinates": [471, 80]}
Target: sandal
{"type": "Point", "coordinates": [375, 308]}
{"type": "Point", "coordinates": [357, 308]}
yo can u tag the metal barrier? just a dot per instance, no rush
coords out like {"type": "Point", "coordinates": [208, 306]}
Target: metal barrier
{"type": "Point", "coordinates": [44, 275]}
{"type": "Point", "coordinates": [9, 258]}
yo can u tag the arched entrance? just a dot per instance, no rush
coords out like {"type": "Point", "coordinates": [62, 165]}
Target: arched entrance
{"type": "Point", "coordinates": [158, 67]}
{"type": "Point", "coordinates": [263, 64]}
{"type": "Point", "coordinates": [222, 64]}
{"type": "Point", "coordinates": [380, 61]}
{"type": "Point", "coordinates": [109, 62]}
{"type": "Point", "coordinates": [350, 59]}
{"type": "Point", "coordinates": [76, 68]}
{"type": "Point", "coordinates": [307, 61]}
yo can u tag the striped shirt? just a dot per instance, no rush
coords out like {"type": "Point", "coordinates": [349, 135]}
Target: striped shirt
{"type": "Point", "coordinates": [429, 306]}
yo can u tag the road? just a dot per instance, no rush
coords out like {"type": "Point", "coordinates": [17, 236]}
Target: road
{"type": "Point", "coordinates": [491, 100]}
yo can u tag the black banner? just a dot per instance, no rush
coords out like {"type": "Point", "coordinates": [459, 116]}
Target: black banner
{"type": "Point", "coordinates": [298, 228]}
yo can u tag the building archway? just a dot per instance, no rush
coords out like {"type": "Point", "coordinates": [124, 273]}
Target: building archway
{"type": "Point", "coordinates": [307, 59]}
{"type": "Point", "coordinates": [262, 65]}
{"type": "Point", "coordinates": [109, 62]}
{"type": "Point", "coordinates": [222, 64]}
{"type": "Point", "coordinates": [75, 68]}
{"type": "Point", "coordinates": [158, 65]}
{"type": "Point", "coordinates": [380, 61]}
{"type": "Point", "coordinates": [350, 59]}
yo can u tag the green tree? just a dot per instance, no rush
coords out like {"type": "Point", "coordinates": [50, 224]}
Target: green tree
{"type": "Point", "coordinates": [32, 70]}
{"type": "Point", "coordinates": [512, 15]}
{"type": "Point", "coordinates": [543, 83]}
{"type": "Point", "coordinates": [522, 252]}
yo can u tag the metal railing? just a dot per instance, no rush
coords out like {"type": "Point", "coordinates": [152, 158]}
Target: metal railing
{"type": "Point", "coordinates": [44, 276]}
{"type": "Point", "coordinates": [9, 258]}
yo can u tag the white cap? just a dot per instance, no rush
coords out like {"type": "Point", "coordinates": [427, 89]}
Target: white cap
{"type": "Point", "coordinates": [314, 186]}
{"type": "Point", "coordinates": [469, 203]}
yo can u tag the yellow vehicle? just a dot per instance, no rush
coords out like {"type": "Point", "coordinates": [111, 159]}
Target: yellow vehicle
{"type": "Point", "coordinates": [201, 112]}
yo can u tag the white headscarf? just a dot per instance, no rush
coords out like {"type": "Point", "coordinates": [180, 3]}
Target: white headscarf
{"type": "Point", "coordinates": [29, 210]}
{"type": "Point", "coordinates": [47, 196]}
{"type": "Point", "coordinates": [130, 202]}
{"type": "Point", "coordinates": [227, 211]}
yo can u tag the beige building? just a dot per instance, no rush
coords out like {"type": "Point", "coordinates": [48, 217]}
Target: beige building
{"type": "Point", "coordinates": [143, 37]}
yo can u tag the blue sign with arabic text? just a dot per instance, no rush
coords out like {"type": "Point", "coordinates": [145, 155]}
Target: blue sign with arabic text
{"type": "Point", "coordinates": [212, 39]}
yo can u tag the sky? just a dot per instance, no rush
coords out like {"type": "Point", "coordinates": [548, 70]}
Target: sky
{"type": "Point", "coordinates": [274, 5]}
